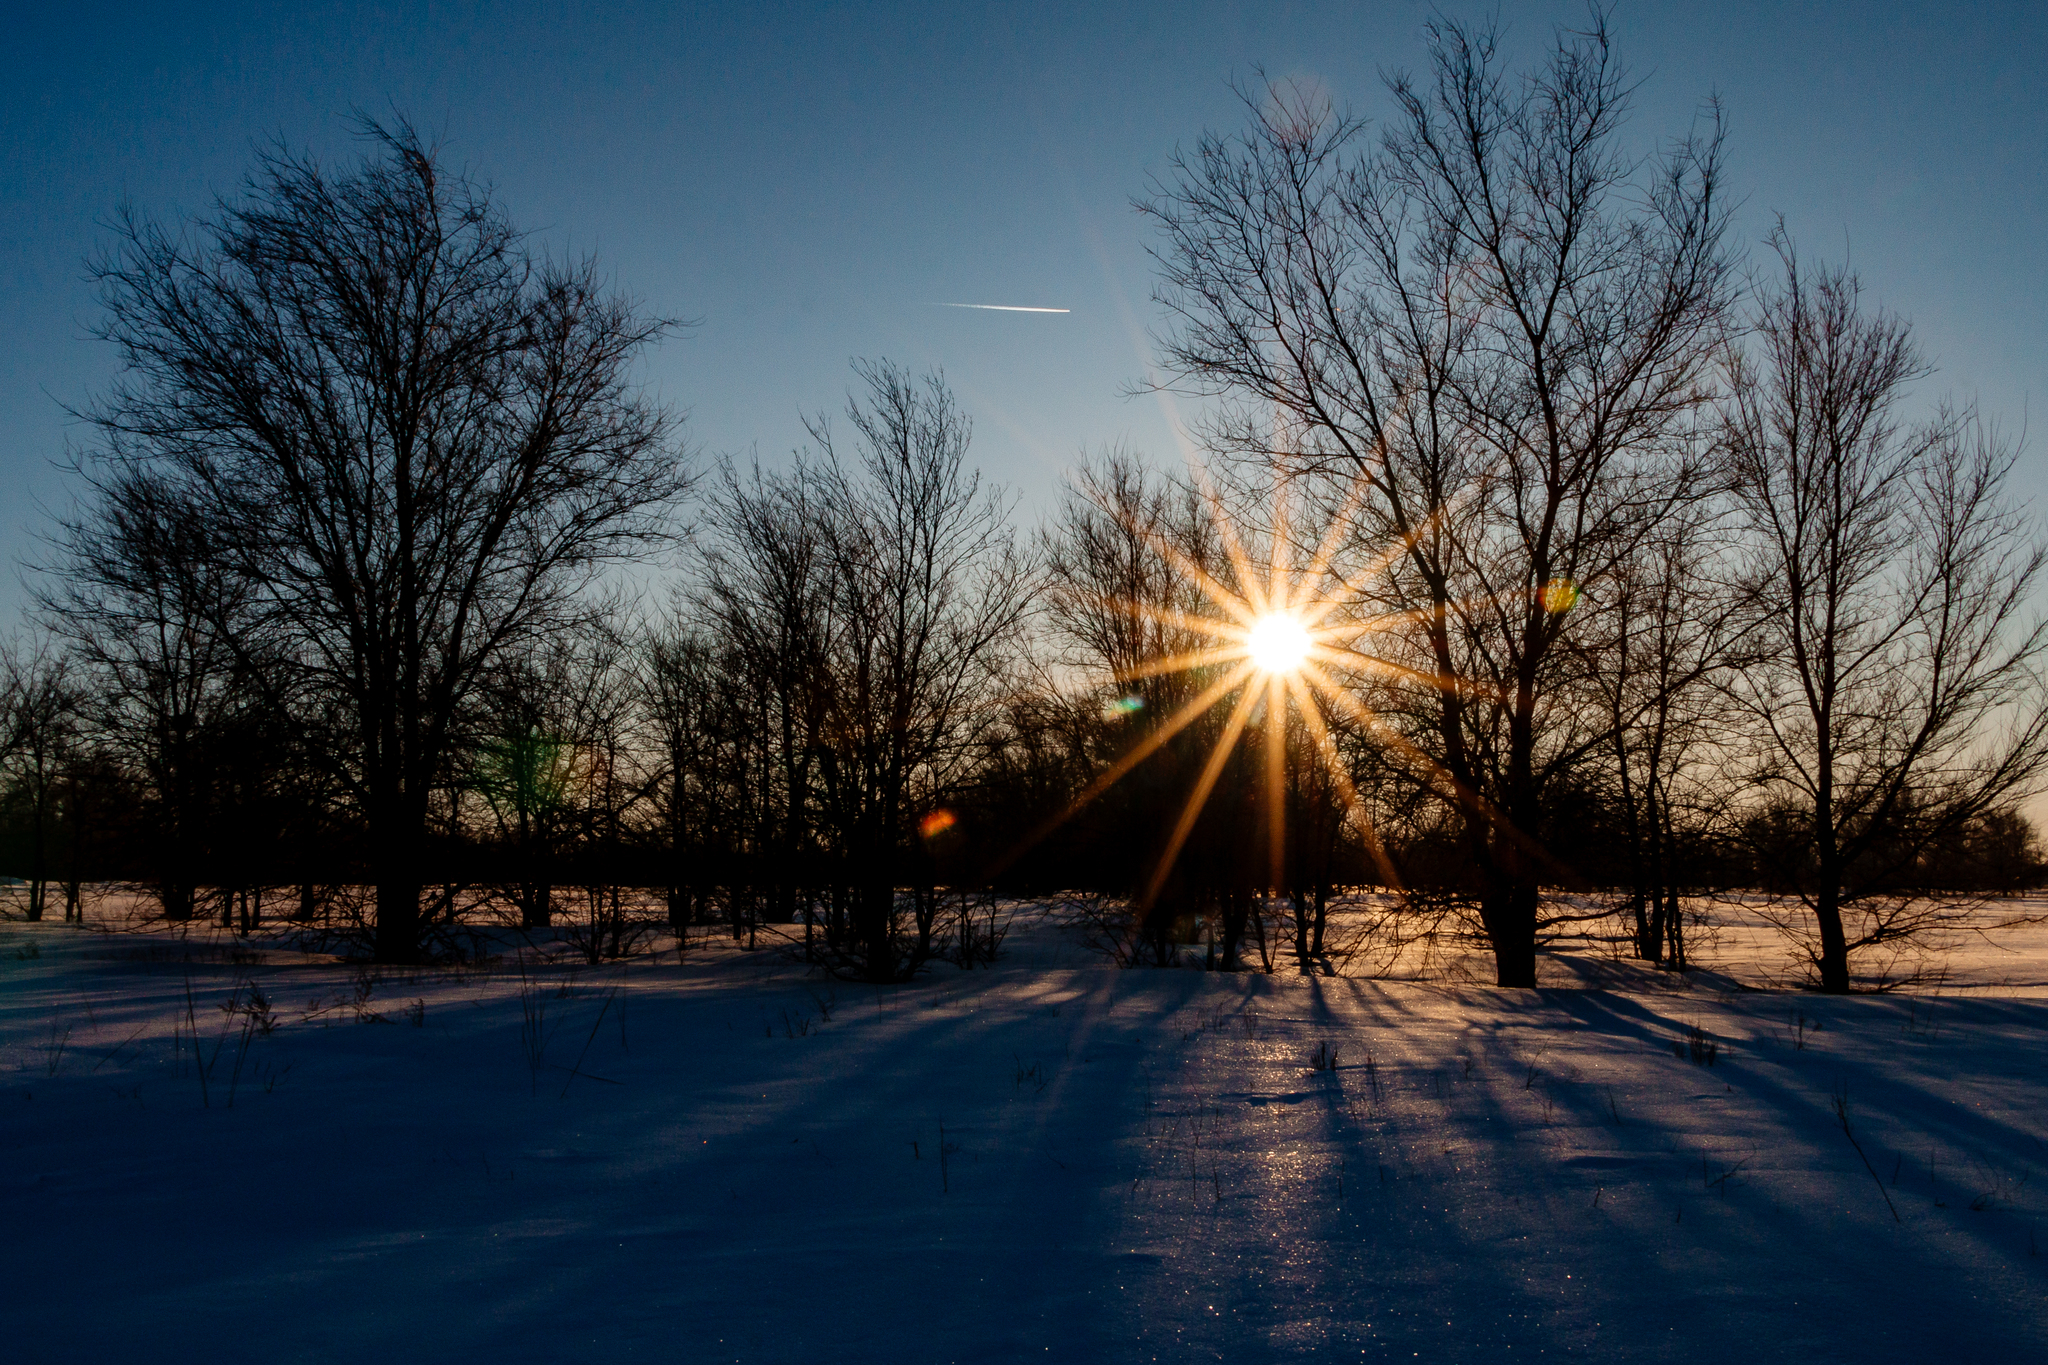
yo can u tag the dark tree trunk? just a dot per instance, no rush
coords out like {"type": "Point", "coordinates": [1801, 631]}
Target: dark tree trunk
{"type": "Point", "coordinates": [877, 909]}
{"type": "Point", "coordinates": [1674, 932]}
{"type": "Point", "coordinates": [397, 935]}
{"type": "Point", "coordinates": [1303, 952]}
{"type": "Point", "coordinates": [1256, 903]}
{"type": "Point", "coordinates": [1834, 944]}
{"type": "Point", "coordinates": [1509, 912]}
{"type": "Point", "coordinates": [1236, 911]}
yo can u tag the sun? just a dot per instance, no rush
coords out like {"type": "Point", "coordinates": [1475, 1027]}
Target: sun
{"type": "Point", "coordinates": [1275, 633]}
{"type": "Point", "coordinates": [1277, 643]}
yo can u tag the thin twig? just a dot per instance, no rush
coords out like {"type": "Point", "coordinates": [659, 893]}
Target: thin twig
{"type": "Point", "coordinates": [1842, 1117]}
{"type": "Point", "coordinates": [577, 1069]}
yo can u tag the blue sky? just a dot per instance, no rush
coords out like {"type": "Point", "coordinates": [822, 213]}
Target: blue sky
{"type": "Point", "coordinates": [809, 180]}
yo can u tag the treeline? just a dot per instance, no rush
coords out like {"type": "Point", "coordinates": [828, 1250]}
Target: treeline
{"type": "Point", "coordinates": [1615, 569]}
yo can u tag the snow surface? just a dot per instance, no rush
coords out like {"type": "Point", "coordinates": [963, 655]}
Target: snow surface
{"type": "Point", "coordinates": [1137, 1165]}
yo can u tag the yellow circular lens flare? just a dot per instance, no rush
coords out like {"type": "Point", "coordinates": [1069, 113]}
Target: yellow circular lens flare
{"type": "Point", "coordinates": [1277, 643]}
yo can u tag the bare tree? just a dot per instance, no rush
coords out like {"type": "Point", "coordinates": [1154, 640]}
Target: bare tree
{"type": "Point", "coordinates": [411, 440]}
{"type": "Point", "coordinates": [769, 582]}
{"type": "Point", "coordinates": [38, 749]}
{"type": "Point", "coordinates": [678, 679]}
{"type": "Point", "coordinates": [143, 600]}
{"type": "Point", "coordinates": [1494, 323]}
{"type": "Point", "coordinates": [1674, 632]}
{"type": "Point", "coordinates": [524, 765]}
{"type": "Point", "coordinates": [927, 591]}
{"type": "Point", "coordinates": [1121, 591]}
{"type": "Point", "coordinates": [612, 778]}
{"type": "Point", "coordinates": [1899, 698]}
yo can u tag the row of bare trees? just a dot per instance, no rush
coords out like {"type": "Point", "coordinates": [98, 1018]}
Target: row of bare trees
{"type": "Point", "coordinates": [1619, 519]}
{"type": "Point", "coordinates": [1624, 570]}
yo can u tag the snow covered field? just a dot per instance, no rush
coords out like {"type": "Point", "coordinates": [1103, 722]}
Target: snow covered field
{"type": "Point", "coordinates": [729, 1160]}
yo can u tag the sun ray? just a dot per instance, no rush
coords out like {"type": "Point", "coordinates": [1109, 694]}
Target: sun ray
{"type": "Point", "coordinates": [1443, 682]}
{"type": "Point", "coordinates": [1370, 718]}
{"type": "Point", "coordinates": [1396, 546]}
{"type": "Point", "coordinates": [1354, 805]}
{"type": "Point", "coordinates": [1279, 586]}
{"type": "Point", "coordinates": [1276, 776]}
{"type": "Point", "coordinates": [1199, 797]}
{"type": "Point", "coordinates": [1339, 529]}
{"type": "Point", "coordinates": [1182, 663]}
{"type": "Point", "coordinates": [1144, 749]}
{"type": "Point", "coordinates": [1185, 620]}
{"type": "Point", "coordinates": [1455, 789]}
{"type": "Point", "coordinates": [1233, 548]}
{"type": "Point", "coordinates": [1236, 604]}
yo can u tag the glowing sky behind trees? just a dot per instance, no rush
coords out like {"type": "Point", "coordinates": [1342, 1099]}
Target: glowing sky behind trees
{"type": "Point", "coordinates": [812, 182]}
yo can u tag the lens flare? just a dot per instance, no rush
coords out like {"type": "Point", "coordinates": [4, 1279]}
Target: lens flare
{"type": "Point", "coordinates": [935, 824]}
{"type": "Point", "coordinates": [1123, 706]}
{"type": "Point", "coordinates": [1277, 642]}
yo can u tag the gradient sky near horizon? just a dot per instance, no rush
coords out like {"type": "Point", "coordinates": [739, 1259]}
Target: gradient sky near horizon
{"type": "Point", "coordinates": [809, 181]}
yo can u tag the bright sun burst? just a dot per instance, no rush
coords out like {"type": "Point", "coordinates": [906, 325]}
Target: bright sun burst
{"type": "Point", "coordinates": [1275, 633]}
{"type": "Point", "coordinates": [1277, 642]}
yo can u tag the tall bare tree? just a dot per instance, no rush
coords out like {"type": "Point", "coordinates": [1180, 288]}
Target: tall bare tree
{"type": "Point", "coordinates": [1495, 321]}
{"type": "Point", "coordinates": [927, 589]}
{"type": "Point", "coordinates": [38, 749]}
{"type": "Point", "coordinates": [147, 608]}
{"type": "Point", "coordinates": [412, 440]}
{"type": "Point", "coordinates": [1673, 634]}
{"type": "Point", "coordinates": [1119, 591]}
{"type": "Point", "coordinates": [1120, 562]}
{"type": "Point", "coordinates": [678, 680]}
{"type": "Point", "coordinates": [1899, 697]}
{"type": "Point", "coordinates": [770, 585]}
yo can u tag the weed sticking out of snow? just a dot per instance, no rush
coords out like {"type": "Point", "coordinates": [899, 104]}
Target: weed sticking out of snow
{"type": "Point", "coordinates": [1841, 1104]}
{"type": "Point", "coordinates": [54, 1045]}
{"type": "Point", "coordinates": [1801, 1027]}
{"type": "Point", "coordinates": [1698, 1046]}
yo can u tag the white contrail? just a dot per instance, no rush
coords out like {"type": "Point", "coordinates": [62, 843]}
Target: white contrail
{"type": "Point", "coordinates": [1005, 308]}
